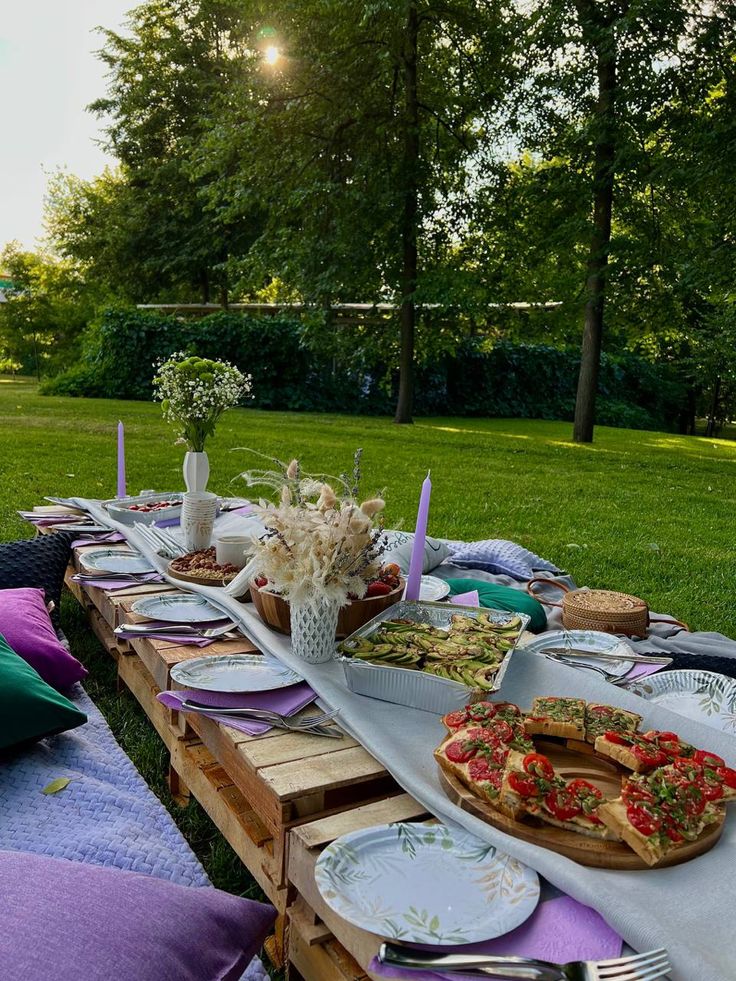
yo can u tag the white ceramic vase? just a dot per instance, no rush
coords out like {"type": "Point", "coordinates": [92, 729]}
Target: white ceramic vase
{"type": "Point", "coordinates": [196, 471]}
{"type": "Point", "coordinates": [313, 629]}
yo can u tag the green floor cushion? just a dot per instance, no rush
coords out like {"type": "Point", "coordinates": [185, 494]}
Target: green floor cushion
{"type": "Point", "coordinates": [29, 708]}
{"type": "Point", "coordinates": [503, 598]}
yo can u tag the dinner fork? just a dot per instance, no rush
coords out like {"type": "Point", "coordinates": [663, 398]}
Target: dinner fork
{"type": "Point", "coordinates": [615, 679]}
{"type": "Point", "coordinates": [638, 967]}
{"type": "Point", "coordinates": [184, 629]}
{"type": "Point", "coordinates": [313, 724]}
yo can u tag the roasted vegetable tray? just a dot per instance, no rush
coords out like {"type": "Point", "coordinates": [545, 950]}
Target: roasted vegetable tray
{"type": "Point", "coordinates": [412, 685]}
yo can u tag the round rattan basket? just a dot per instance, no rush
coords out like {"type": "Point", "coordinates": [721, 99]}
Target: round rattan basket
{"type": "Point", "coordinates": [602, 609]}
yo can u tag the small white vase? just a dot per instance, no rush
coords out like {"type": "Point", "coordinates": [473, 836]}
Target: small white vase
{"type": "Point", "coordinates": [313, 629]}
{"type": "Point", "coordinates": [196, 471]}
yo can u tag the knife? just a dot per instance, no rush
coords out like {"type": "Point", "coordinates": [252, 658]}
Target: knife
{"type": "Point", "coordinates": [636, 658]}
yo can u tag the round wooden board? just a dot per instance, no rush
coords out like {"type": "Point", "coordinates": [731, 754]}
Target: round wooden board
{"type": "Point", "coordinates": [588, 851]}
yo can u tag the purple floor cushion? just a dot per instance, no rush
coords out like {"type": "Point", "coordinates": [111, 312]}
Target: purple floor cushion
{"type": "Point", "coordinates": [25, 624]}
{"type": "Point", "coordinates": [68, 921]}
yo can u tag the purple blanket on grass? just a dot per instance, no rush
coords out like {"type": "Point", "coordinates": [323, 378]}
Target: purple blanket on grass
{"type": "Point", "coordinates": [107, 815]}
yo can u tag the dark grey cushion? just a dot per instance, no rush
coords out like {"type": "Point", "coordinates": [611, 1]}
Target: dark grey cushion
{"type": "Point", "coordinates": [37, 563]}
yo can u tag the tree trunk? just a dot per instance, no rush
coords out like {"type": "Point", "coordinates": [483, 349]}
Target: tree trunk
{"type": "Point", "coordinates": [597, 265]}
{"type": "Point", "coordinates": [204, 285]}
{"type": "Point", "coordinates": [711, 426]}
{"type": "Point", "coordinates": [410, 210]}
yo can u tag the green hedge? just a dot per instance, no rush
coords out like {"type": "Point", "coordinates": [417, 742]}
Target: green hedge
{"type": "Point", "coordinates": [532, 381]}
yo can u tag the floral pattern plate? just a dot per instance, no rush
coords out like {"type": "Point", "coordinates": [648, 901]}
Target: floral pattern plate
{"type": "Point", "coordinates": [178, 608]}
{"type": "Point", "coordinates": [425, 884]}
{"type": "Point", "coordinates": [115, 560]}
{"type": "Point", "coordinates": [585, 640]}
{"type": "Point", "coordinates": [234, 673]}
{"type": "Point", "coordinates": [702, 696]}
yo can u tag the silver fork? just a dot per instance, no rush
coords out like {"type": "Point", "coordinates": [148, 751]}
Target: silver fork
{"type": "Point", "coordinates": [615, 679]}
{"type": "Point", "coordinates": [313, 723]}
{"type": "Point", "coordinates": [183, 628]}
{"type": "Point", "coordinates": [638, 967]}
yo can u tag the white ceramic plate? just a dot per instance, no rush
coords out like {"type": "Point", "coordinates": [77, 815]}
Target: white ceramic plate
{"type": "Point", "coordinates": [234, 673]}
{"type": "Point", "coordinates": [585, 640]}
{"type": "Point", "coordinates": [178, 608]}
{"type": "Point", "coordinates": [432, 589]}
{"type": "Point", "coordinates": [703, 696]}
{"type": "Point", "coordinates": [115, 560]}
{"type": "Point", "coordinates": [425, 883]}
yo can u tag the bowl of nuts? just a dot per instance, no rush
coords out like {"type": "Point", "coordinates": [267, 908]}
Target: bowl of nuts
{"type": "Point", "coordinates": [202, 568]}
{"type": "Point", "coordinates": [381, 592]}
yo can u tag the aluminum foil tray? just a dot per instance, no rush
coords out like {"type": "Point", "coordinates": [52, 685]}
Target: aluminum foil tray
{"type": "Point", "coordinates": [407, 686]}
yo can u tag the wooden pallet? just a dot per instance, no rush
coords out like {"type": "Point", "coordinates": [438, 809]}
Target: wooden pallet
{"type": "Point", "coordinates": [320, 945]}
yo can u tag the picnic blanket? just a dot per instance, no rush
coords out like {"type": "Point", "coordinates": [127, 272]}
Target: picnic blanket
{"type": "Point", "coordinates": [107, 815]}
{"type": "Point", "coordinates": [685, 909]}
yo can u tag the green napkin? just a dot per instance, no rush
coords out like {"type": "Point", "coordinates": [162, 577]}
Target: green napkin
{"type": "Point", "coordinates": [503, 598]}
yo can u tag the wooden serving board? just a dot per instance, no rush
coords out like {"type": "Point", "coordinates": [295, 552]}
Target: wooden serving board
{"type": "Point", "coordinates": [599, 854]}
{"type": "Point", "coordinates": [196, 580]}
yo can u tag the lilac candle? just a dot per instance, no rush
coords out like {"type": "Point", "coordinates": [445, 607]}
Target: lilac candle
{"type": "Point", "coordinates": [121, 460]}
{"type": "Point", "coordinates": [414, 579]}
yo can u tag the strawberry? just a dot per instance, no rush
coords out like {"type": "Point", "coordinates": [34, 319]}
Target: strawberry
{"type": "Point", "coordinates": [377, 588]}
{"type": "Point", "coordinates": [261, 581]}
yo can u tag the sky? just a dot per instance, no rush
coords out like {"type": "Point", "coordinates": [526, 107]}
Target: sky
{"type": "Point", "coordinates": [48, 74]}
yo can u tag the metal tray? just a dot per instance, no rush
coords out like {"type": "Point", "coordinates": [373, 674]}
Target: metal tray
{"type": "Point", "coordinates": [119, 509]}
{"type": "Point", "coordinates": [407, 686]}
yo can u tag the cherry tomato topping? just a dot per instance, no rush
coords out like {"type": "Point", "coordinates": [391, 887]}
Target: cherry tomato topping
{"type": "Point", "coordinates": [538, 766]}
{"type": "Point", "coordinates": [525, 786]}
{"type": "Point", "coordinates": [649, 757]}
{"type": "Point", "coordinates": [481, 711]}
{"type": "Point", "coordinates": [508, 708]}
{"type": "Point", "coordinates": [456, 719]}
{"type": "Point", "coordinates": [479, 769]}
{"type": "Point", "coordinates": [707, 759]}
{"type": "Point", "coordinates": [673, 834]}
{"type": "Point", "coordinates": [693, 797]}
{"type": "Point", "coordinates": [618, 738]}
{"type": "Point", "coordinates": [643, 820]}
{"type": "Point", "coordinates": [711, 791]}
{"type": "Point", "coordinates": [634, 793]}
{"type": "Point", "coordinates": [496, 778]}
{"type": "Point", "coordinates": [562, 804]}
{"type": "Point", "coordinates": [499, 754]}
{"type": "Point", "coordinates": [502, 730]}
{"type": "Point", "coordinates": [486, 736]}
{"type": "Point", "coordinates": [728, 776]}
{"type": "Point", "coordinates": [460, 752]}
{"type": "Point", "coordinates": [584, 788]}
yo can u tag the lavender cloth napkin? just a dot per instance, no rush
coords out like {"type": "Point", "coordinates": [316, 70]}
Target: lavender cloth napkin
{"type": "Point", "coordinates": [559, 930]}
{"type": "Point", "coordinates": [466, 599]}
{"type": "Point", "coordinates": [111, 584]}
{"type": "Point", "coordinates": [43, 519]}
{"type": "Point", "coordinates": [99, 538]}
{"type": "Point", "coordinates": [182, 638]}
{"type": "Point", "coordinates": [285, 701]}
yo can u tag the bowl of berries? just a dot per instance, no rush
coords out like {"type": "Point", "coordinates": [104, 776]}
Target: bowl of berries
{"type": "Point", "coordinates": [382, 592]}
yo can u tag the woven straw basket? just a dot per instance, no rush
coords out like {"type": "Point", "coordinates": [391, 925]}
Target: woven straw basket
{"type": "Point", "coordinates": [602, 609]}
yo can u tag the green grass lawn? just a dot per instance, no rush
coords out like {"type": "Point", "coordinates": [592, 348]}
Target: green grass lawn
{"type": "Point", "coordinates": [647, 513]}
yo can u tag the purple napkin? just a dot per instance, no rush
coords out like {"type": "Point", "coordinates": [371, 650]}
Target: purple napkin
{"type": "Point", "coordinates": [42, 519]}
{"type": "Point", "coordinates": [285, 701]}
{"type": "Point", "coordinates": [99, 538]}
{"type": "Point", "coordinates": [644, 670]}
{"type": "Point", "coordinates": [466, 599]}
{"type": "Point", "coordinates": [167, 523]}
{"type": "Point", "coordinates": [559, 930]}
{"type": "Point", "coordinates": [183, 638]}
{"type": "Point", "coordinates": [111, 584]}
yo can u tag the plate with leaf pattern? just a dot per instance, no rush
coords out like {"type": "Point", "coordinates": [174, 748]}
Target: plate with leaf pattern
{"type": "Point", "coordinates": [702, 696]}
{"type": "Point", "coordinates": [426, 884]}
{"type": "Point", "coordinates": [115, 560]}
{"type": "Point", "coordinates": [178, 608]}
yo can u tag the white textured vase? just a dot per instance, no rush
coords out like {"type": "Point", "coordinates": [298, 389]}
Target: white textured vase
{"type": "Point", "coordinates": [196, 471]}
{"type": "Point", "coordinates": [313, 630]}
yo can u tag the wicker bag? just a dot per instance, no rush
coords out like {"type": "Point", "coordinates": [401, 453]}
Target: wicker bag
{"type": "Point", "coordinates": [602, 609]}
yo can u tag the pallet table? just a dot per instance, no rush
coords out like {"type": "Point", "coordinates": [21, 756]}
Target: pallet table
{"type": "Point", "coordinates": [257, 790]}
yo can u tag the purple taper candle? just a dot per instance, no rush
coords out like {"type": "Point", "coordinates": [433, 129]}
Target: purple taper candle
{"type": "Point", "coordinates": [121, 460]}
{"type": "Point", "coordinates": [414, 579]}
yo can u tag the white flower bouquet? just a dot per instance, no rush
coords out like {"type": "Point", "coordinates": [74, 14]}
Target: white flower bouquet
{"type": "Point", "coordinates": [318, 547]}
{"type": "Point", "coordinates": [194, 392]}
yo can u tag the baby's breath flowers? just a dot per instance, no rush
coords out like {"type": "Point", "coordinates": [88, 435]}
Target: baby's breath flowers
{"type": "Point", "coordinates": [194, 392]}
{"type": "Point", "coordinates": [320, 545]}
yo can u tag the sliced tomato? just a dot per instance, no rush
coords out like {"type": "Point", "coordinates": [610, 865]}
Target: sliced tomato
{"type": "Point", "coordinates": [538, 766]}
{"type": "Point", "coordinates": [584, 787]}
{"type": "Point", "coordinates": [693, 798]}
{"type": "Point", "coordinates": [499, 754]}
{"type": "Point", "coordinates": [599, 710]}
{"type": "Point", "coordinates": [684, 765]}
{"type": "Point", "coordinates": [562, 804]}
{"type": "Point", "coordinates": [502, 730]}
{"type": "Point", "coordinates": [522, 784]}
{"type": "Point", "coordinates": [481, 711]}
{"type": "Point", "coordinates": [618, 738]}
{"type": "Point", "coordinates": [453, 720]}
{"type": "Point", "coordinates": [496, 779]}
{"type": "Point", "coordinates": [645, 822]}
{"type": "Point", "coordinates": [649, 756]}
{"type": "Point", "coordinates": [479, 769]}
{"type": "Point", "coordinates": [707, 759]}
{"type": "Point", "coordinates": [711, 791]}
{"type": "Point", "coordinates": [669, 742]}
{"type": "Point", "coordinates": [508, 709]}
{"type": "Point", "coordinates": [727, 775]}
{"type": "Point", "coordinates": [487, 736]}
{"type": "Point", "coordinates": [460, 752]}
{"type": "Point", "coordinates": [673, 834]}
{"type": "Point", "coordinates": [634, 793]}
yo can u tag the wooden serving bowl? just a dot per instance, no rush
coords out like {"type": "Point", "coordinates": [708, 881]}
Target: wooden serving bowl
{"type": "Point", "coordinates": [274, 610]}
